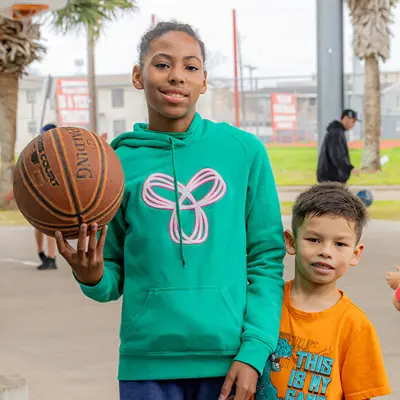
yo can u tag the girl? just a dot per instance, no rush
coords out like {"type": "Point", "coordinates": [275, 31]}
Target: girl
{"type": "Point", "coordinates": [196, 248]}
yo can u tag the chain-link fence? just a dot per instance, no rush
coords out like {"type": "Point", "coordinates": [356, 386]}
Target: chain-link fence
{"type": "Point", "coordinates": [284, 109]}
{"type": "Point", "coordinates": [280, 110]}
{"type": "Point", "coordinates": [276, 109]}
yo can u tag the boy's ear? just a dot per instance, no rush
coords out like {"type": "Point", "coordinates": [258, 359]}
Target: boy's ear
{"type": "Point", "coordinates": [355, 259]}
{"type": "Point", "coordinates": [137, 79]}
{"type": "Point", "coordinates": [290, 242]}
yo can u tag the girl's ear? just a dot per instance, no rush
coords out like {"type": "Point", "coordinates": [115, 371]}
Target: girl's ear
{"type": "Point", "coordinates": [137, 78]}
{"type": "Point", "coordinates": [204, 87]}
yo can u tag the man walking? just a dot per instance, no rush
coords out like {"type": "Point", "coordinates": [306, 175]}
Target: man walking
{"type": "Point", "coordinates": [334, 160]}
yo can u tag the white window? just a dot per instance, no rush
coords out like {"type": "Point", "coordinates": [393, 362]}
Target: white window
{"type": "Point", "coordinates": [118, 98]}
{"type": "Point", "coordinates": [119, 126]}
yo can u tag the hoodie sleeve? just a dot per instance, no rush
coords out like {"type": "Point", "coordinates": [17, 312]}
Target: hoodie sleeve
{"type": "Point", "coordinates": [265, 253]}
{"type": "Point", "coordinates": [110, 286]}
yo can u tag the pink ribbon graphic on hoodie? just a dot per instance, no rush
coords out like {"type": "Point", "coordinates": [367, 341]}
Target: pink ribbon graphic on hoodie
{"type": "Point", "coordinates": [154, 200]}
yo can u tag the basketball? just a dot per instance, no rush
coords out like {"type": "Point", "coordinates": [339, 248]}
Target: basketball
{"type": "Point", "coordinates": [366, 197]}
{"type": "Point", "coordinates": [66, 177]}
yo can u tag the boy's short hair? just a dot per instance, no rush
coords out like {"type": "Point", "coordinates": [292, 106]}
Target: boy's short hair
{"type": "Point", "coordinates": [330, 198]}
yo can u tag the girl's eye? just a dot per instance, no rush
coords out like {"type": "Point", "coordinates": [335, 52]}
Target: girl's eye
{"type": "Point", "coordinates": [192, 68]}
{"type": "Point", "coordinates": [162, 65]}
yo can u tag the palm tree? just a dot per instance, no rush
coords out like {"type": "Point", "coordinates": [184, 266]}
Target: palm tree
{"type": "Point", "coordinates": [371, 42]}
{"type": "Point", "coordinates": [19, 47]}
{"type": "Point", "coordinates": [92, 16]}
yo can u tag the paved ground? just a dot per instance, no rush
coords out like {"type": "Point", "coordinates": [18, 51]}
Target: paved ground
{"type": "Point", "coordinates": [289, 193]}
{"type": "Point", "coordinates": [66, 345]}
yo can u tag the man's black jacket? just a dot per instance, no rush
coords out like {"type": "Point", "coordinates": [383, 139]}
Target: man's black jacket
{"type": "Point", "coordinates": [334, 161]}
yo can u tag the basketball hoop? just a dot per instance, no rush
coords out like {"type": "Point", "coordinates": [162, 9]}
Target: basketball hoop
{"type": "Point", "coordinates": [26, 9]}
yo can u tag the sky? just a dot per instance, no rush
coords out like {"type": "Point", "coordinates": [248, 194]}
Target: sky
{"type": "Point", "coordinates": [278, 37]}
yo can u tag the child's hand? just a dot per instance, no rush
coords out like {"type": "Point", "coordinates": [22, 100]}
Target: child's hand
{"type": "Point", "coordinates": [244, 377]}
{"type": "Point", "coordinates": [393, 278]}
{"type": "Point", "coordinates": [88, 266]}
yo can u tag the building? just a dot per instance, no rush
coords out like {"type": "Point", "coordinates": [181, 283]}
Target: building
{"type": "Point", "coordinates": [119, 105]}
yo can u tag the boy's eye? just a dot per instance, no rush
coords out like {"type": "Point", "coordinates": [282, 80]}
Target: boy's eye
{"type": "Point", "coordinates": [340, 244]}
{"type": "Point", "coordinates": [192, 68]}
{"type": "Point", "coordinates": [312, 240]}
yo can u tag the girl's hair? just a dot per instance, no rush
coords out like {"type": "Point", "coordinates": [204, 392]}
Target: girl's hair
{"type": "Point", "coordinates": [161, 29]}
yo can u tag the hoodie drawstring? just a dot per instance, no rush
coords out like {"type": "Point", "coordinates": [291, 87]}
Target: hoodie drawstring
{"type": "Point", "coordinates": [177, 208]}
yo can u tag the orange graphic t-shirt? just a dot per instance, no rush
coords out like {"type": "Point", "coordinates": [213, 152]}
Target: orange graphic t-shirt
{"type": "Point", "coordinates": [334, 354]}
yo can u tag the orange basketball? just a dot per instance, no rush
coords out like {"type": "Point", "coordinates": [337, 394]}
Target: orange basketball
{"type": "Point", "coordinates": [66, 177]}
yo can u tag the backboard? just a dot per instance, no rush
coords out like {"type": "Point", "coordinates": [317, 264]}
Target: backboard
{"type": "Point", "coordinates": [26, 9]}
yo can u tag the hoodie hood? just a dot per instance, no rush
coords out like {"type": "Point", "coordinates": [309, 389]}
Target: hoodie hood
{"type": "Point", "coordinates": [141, 136]}
{"type": "Point", "coordinates": [336, 125]}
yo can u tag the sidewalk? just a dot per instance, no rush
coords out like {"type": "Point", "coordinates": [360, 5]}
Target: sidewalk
{"type": "Point", "coordinates": [384, 192]}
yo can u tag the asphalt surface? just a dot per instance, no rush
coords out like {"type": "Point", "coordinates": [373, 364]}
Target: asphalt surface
{"type": "Point", "coordinates": [66, 345]}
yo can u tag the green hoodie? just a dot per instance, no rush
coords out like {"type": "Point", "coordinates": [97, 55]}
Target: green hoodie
{"type": "Point", "coordinates": [196, 249]}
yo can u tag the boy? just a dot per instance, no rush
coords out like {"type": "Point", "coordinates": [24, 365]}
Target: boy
{"type": "Point", "coordinates": [328, 349]}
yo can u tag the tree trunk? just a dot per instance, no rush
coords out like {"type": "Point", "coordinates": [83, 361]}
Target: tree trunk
{"type": "Point", "coordinates": [372, 116]}
{"type": "Point", "coordinates": [8, 132]}
{"type": "Point", "coordinates": [92, 82]}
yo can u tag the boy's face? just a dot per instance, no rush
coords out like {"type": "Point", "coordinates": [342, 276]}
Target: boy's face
{"type": "Point", "coordinates": [324, 247]}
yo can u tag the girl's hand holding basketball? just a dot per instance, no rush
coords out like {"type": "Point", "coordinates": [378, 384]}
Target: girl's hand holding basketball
{"type": "Point", "coordinates": [88, 266]}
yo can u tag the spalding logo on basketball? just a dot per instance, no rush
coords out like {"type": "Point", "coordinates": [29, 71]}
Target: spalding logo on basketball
{"type": "Point", "coordinates": [65, 177]}
{"type": "Point", "coordinates": [366, 197]}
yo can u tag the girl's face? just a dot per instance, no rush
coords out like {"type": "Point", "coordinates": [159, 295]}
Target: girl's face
{"type": "Point", "coordinates": [172, 76]}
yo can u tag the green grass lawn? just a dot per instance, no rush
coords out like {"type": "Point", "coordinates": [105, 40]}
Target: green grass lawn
{"type": "Point", "coordinates": [297, 166]}
{"type": "Point", "coordinates": [12, 218]}
{"type": "Point", "coordinates": [387, 210]}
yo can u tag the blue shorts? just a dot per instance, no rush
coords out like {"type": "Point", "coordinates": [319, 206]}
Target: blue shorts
{"type": "Point", "coordinates": [181, 389]}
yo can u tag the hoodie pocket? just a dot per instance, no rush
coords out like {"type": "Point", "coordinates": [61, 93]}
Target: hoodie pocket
{"type": "Point", "coordinates": [184, 320]}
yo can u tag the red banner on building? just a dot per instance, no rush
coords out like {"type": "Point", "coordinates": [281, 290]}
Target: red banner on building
{"type": "Point", "coordinates": [283, 112]}
{"type": "Point", "coordinates": [72, 101]}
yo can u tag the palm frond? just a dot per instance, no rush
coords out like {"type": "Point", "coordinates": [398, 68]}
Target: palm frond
{"type": "Point", "coordinates": [91, 15]}
{"type": "Point", "coordinates": [19, 45]}
{"type": "Point", "coordinates": [371, 21]}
